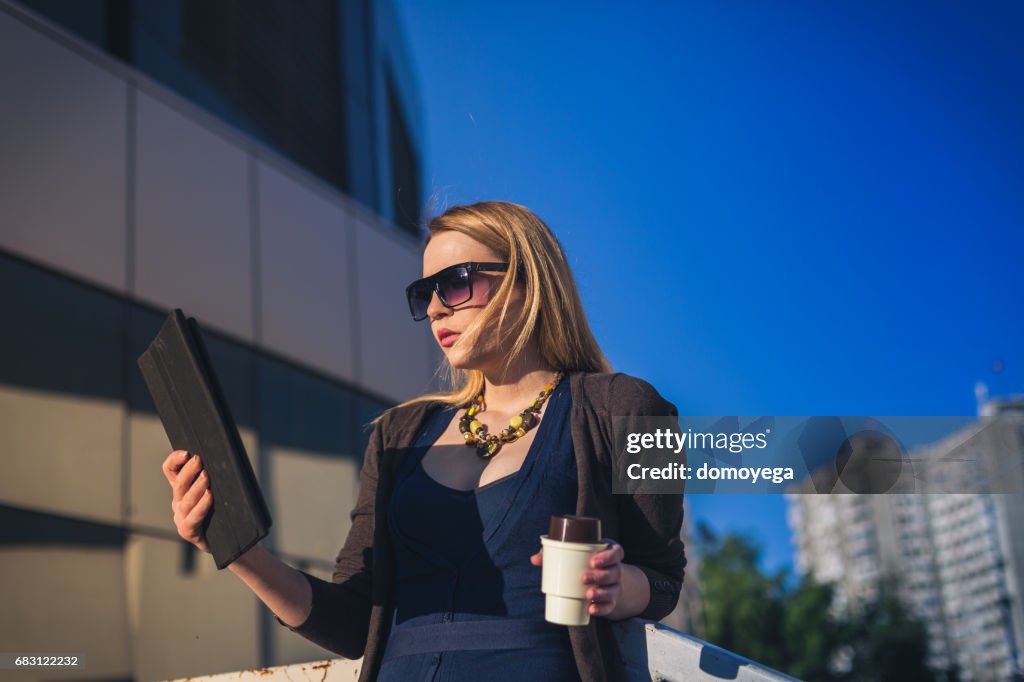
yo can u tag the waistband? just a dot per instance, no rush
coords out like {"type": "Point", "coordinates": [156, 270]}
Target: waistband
{"type": "Point", "coordinates": [510, 633]}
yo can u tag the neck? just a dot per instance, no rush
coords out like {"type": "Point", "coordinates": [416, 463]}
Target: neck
{"type": "Point", "coordinates": [513, 391]}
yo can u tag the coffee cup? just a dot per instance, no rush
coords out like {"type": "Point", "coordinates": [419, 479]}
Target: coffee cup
{"type": "Point", "coordinates": [568, 546]}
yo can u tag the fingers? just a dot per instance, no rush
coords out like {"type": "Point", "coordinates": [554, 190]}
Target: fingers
{"type": "Point", "coordinates": [607, 557]}
{"type": "Point", "coordinates": [604, 579]}
{"type": "Point", "coordinates": [603, 599]}
{"type": "Point", "coordinates": [195, 493]}
{"type": "Point", "coordinates": [191, 527]}
{"type": "Point", "coordinates": [604, 595]}
{"type": "Point", "coordinates": [538, 558]}
{"type": "Point", "coordinates": [190, 515]}
{"type": "Point", "coordinates": [186, 476]}
{"type": "Point", "coordinates": [173, 464]}
{"type": "Point", "coordinates": [194, 519]}
{"type": "Point", "coordinates": [608, 576]}
{"type": "Point", "coordinates": [191, 499]}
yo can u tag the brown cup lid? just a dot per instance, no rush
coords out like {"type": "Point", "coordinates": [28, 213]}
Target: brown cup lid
{"type": "Point", "coordinates": [575, 529]}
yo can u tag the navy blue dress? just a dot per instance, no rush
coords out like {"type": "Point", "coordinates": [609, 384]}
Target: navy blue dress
{"type": "Point", "coordinates": [468, 603]}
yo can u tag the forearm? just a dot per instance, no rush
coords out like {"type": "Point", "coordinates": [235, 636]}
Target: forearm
{"type": "Point", "coordinates": [282, 588]}
{"type": "Point", "coordinates": [636, 593]}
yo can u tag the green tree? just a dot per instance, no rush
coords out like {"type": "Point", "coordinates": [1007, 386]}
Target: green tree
{"type": "Point", "coordinates": [889, 643]}
{"type": "Point", "coordinates": [742, 608]}
{"type": "Point", "coordinates": [814, 636]}
{"type": "Point", "coordinates": [796, 629]}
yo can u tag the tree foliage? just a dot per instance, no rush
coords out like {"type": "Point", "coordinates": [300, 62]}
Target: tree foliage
{"type": "Point", "coordinates": [887, 642]}
{"type": "Point", "coordinates": [795, 628]}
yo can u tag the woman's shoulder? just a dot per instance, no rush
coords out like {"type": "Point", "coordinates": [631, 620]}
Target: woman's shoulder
{"type": "Point", "coordinates": [398, 423]}
{"type": "Point", "coordinates": [618, 393]}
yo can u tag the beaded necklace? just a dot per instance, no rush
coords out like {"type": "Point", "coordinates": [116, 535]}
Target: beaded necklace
{"type": "Point", "coordinates": [487, 445]}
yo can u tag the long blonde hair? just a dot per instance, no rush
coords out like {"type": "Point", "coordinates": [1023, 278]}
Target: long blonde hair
{"type": "Point", "coordinates": [552, 310]}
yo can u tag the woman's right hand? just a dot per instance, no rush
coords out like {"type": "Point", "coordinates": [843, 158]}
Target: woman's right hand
{"type": "Point", "coordinates": [191, 497]}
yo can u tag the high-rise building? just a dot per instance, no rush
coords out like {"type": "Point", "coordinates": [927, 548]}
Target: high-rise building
{"type": "Point", "coordinates": [955, 555]}
{"type": "Point", "coordinates": [977, 545]}
{"type": "Point", "coordinates": [257, 165]}
{"type": "Point", "coordinates": [854, 541]}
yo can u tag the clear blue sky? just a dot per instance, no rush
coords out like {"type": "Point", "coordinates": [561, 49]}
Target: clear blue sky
{"type": "Point", "coordinates": [797, 208]}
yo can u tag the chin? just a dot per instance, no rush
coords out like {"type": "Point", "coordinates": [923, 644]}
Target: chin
{"type": "Point", "coordinates": [460, 359]}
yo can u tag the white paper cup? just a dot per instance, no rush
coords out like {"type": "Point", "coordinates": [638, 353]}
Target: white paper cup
{"type": "Point", "coordinates": [562, 583]}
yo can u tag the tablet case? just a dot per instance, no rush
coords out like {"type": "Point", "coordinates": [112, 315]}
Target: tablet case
{"type": "Point", "coordinates": [191, 405]}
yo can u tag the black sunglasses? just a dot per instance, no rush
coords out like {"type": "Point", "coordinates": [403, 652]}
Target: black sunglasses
{"type": "Point", "coordinates": [454, 286]}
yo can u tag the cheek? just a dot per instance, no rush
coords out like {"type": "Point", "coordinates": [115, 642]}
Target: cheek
{"type": "Point", "coordinates": [480, 342]}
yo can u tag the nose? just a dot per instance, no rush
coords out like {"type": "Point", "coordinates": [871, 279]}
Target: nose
{"type": "Point", "coordinates": [436, 310]}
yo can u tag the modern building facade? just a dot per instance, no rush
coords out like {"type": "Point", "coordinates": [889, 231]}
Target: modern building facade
{"type": "Point", "coordinates": [259, 169]}
{"type": "Point", "coordinates": [854, 541]}
{"type": "Point", "coordinates": [956, 556]}
{"type": "Point", "coordinates": [326, 85]}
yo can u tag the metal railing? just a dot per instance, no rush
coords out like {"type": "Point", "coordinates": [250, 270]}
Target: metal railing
{"type": "Point", "coordinates": [654, 652]}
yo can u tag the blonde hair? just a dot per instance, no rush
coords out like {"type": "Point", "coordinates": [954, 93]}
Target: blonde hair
{"type": "Point", "coordinates": [552, 311]}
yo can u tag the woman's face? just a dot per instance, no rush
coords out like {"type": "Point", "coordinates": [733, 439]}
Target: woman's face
{"type": "Point", "coordinates": [483, 352]}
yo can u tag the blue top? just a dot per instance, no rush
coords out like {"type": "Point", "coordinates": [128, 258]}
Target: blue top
{"type": "Point", "coordinates": [468, 602]}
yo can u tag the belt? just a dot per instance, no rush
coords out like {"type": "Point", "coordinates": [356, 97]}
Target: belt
{"type": "Point", "coordinates": [511, 633]}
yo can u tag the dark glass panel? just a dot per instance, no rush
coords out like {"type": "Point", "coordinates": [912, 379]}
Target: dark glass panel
{"type": "Point", "coordinates": [301, 410]}
{"type": "Point", "coordinates": [24, 527]}
{"type": "Point", "coordinates": [59, 335]}
{"type": "Point", "coordinates": [272, 68]}
{"type": "Point", "coordinates": [279, 63]}
{"type": "Point", "coordinates": [405, 168]}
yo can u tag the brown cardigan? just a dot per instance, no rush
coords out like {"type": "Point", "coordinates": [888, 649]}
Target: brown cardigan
{"type": "Point", "coordinates": [350, 616]}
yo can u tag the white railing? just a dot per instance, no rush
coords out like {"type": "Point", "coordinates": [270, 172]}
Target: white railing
{"type": "Point", "coordinates": [654, 652]}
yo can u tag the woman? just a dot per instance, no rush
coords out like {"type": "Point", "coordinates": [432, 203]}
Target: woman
{"type": "Point", "coordinates": [439, 577]}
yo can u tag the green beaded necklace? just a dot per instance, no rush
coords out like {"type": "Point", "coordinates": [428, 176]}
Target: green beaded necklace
{"type": "Point", "coordinates": [487, 445]}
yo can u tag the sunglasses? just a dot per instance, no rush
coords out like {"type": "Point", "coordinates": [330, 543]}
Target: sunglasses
{"type": "Point", "coordinates": [453, 285]}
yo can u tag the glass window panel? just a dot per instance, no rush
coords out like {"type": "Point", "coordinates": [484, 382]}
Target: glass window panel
{"type": "Point", "coordinates": [59, 335]}
{"type": "Point", "coordinates": [303, 411]}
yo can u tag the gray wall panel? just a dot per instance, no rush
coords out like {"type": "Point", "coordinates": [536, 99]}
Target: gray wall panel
{"type": "Point", "coordinates": [306, 297]}
{"type": "Point", "coordinates": [314, 495]}
{"type": "Point", "coordinates": [395, 351]}
{"type": "Point", "coordinates": [186, 624]}
{"type": "Point", "coordinates": [193, 226]}
{"type": "Point", "coordinates": [62, 182]}
{"type": "Point", "coordinates": [70, 600]}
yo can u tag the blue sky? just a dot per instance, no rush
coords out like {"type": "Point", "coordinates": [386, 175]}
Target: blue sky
{"type": "Point", "coordinates": [793, 208]}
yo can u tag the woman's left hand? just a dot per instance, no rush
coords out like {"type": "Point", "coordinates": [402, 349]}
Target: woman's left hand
{"type": "Point", "coordinates": [603, 579]}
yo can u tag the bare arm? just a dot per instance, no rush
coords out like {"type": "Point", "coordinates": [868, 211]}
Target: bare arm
{"type": "Point", "coordinates": [282, 588]}
{"type": "Point", "coordinates": [333, 614]}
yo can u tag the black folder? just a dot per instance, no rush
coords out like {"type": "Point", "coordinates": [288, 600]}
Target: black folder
{"type": "Point", "coordinates": [191, 405]}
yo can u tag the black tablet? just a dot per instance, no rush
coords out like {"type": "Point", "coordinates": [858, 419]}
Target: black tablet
{"type": "Point", "coordinates": [191, 405]}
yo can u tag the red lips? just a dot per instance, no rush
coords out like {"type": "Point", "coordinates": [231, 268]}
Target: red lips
{"type": "Point", "coordinates": [446, 337]}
